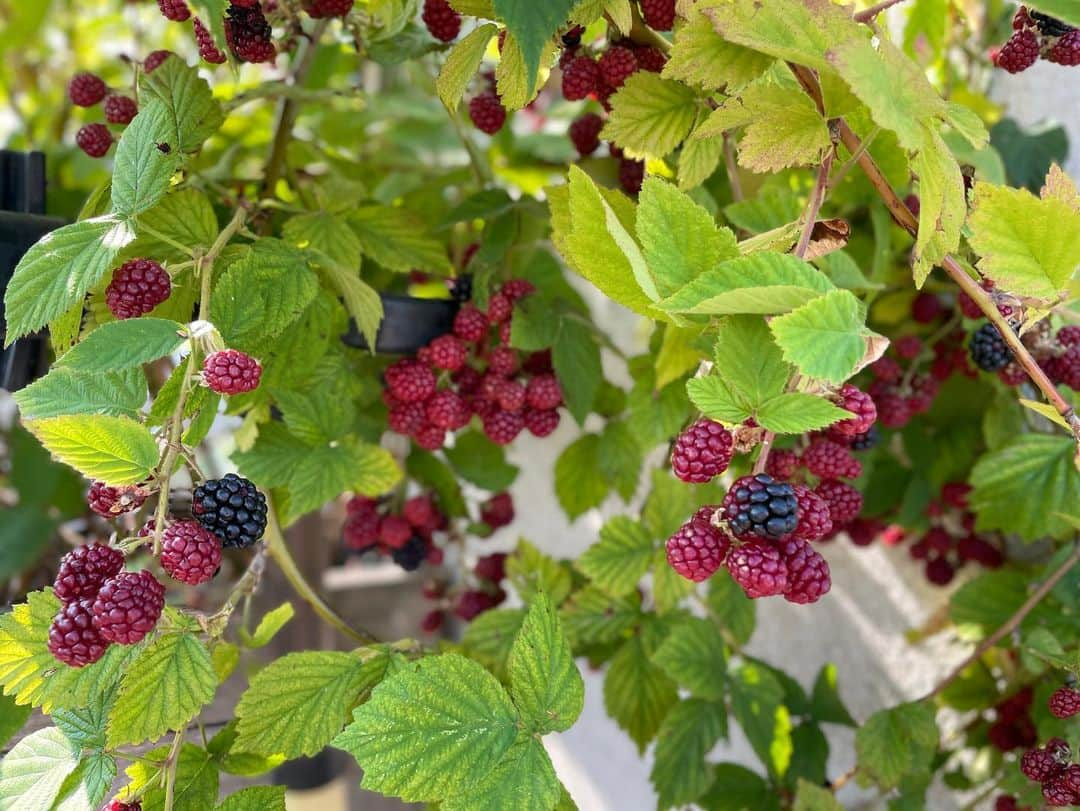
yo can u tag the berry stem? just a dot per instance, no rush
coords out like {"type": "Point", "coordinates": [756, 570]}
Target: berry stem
{"type": "Point", "coordinates": [869, 14]}
{"type": "Point", "coordinates": [732, 168]}
{"type": "Point", "coordinates": [906, 220]}
{"type": "Point", "coordinates": [279, 552]}
{"type": "Point", "coordinates": [479, 165]}
{"type": "Point", "coordinates": [243, 589]}
{"type": "Point", "coordinates": [171, 764]}
{"type": "Point", "coordinates": [1012, 623]}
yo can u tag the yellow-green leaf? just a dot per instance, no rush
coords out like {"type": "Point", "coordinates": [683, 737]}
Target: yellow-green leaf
{"type": "Point", "coordinates": [115, 450]}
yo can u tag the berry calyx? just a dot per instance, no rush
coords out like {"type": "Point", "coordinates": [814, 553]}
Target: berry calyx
{"type": "Point", "coordinates": [759, 569]}
{"type": "Point", "coordinates": [702, 452]}
{"type": "Point", "coordinates": [73, 637]}
{"type": "Point", "coordinates": [94, 139]}
{"type": "Point", "coordinates": [1065, 702]}
{"type": "Point", "coordinates": [231, 371]}
{"type": "Point", "coordinates": [84, 570]}
{"type": "Point", "coordinates": [441, 20]}
{"type": "Point", "coordinates": [110, 502]}
{"type": "Point", "coordinates": [232, 508]}
{"type": "Point", "coordinates": [758, 506]}
{"type": "Point", "coordinates": [120, 109]}
{"type": "Point", "coordinates": [697, 550]}
{"type": "Point", "coordinates": [128, 607]}
{"type": "Point", "coordinates": [86, 89]}
{"type": "Point", "coordinates": [137, 287]}
{"type": "Point", "coordinates": [190, 553]}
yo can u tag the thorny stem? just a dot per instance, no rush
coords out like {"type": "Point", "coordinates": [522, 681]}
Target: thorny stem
{"type": "Point", "coordinates": [870, 13]}
{"type": "Point", "coordinates": [1012, 623]}
{"type": "Point", "coordinates": [906, 220]}
{"type": "Point", "coordinates": [241, 590]}
{"type": "Point", "coordinates": [279, 551]}
{"type": "Point", "coordinates": [170, 769]}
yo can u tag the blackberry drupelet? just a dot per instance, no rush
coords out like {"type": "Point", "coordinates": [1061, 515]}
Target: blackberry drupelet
{"type": "Point", "coordinates": [232, 508]}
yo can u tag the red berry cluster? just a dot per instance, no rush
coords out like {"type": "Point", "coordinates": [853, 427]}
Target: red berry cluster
{"type": "Point", "coordinates": [89, 90]}
{"type": "Point", "coordinates": [101, 604]}
{"type": "Point", "coordinates": [1052, 766]}
{"type": "Point", "coordinates": [406, 535]}
{"type": "Point", "coordinates": [231, 371]}
{"type": "Point", "coordinates": [951, 541]}
{"type": "Point", "coordinates": [1012, 727]}
{"type": "Point", "coordinates": [474, 372]}
{"type": "Point", "coordinates": [486, 109]}
{"type": "Point", "coordinates": [597, 73]}
{"type": "Point", "coordinates": [441, 20]}
{"type": "Point", "coordinates": [1037, 35]}
{"type": "Point", "coordinates": [248, 34]}
{"type": "Point", "coordinates": [137, 287]}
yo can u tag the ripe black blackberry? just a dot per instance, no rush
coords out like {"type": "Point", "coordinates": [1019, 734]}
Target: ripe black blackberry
{"type": "Point", "coordinates": [572, 38]}
{"type": "Point", "coordinates": [1049, 26]}
{"type": "Point", "coordinates": [232, 508]}
{"type": "Point", "coordinates": [867, 440]}
{"type": "Point", "coordinates": [248, 34]}
{"type": "Point", "coordinates": [758, 506]}
{"type": "Point", "coordinates": [988, 349]}
{"type": "Point", "coordinates": [411, 555]}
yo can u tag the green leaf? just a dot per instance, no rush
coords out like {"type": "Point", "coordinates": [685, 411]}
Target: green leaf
{"type": "Point", "coordinates": [12, 718]}
{"type": "Point", "coordinates": [757, 704]}
{"type": "Point", "coordinates": [809, 756]}
{"type": "Point", "coordinates": [592, 616]}
{"type": "Point", "coordinates": [141, 171]}
{"type": "Point", "coordinates": [693, 655]}
{"type": "Point", "coordinates": [579, 484]}
{"type": "Point", "coordinates": [462, 64]}
{"type": "Point", "coordinates": [897, 741]}
{"type": "Point", "coordinates": [715, 399]}
{"type": "Point", "coordinates": [796, 413]}
{"type": "Point", "coordinates": [679, 237]}
{"type": "Point", "coordinates": [668, 586]}
{"type": "Point", "coordinates": [1029, 246]}
{"type": "Point", "coordinates": [650, 115]}
{"type": "Point", "coordinates": [272, 622]}
{"type": "Point", "coordinates": [325, 234]}
{"type": "Point", "coordinates": [436, 728]}
{"type": "Point", "coordinates": [736, 788]}
{"type": "Point", "coordinates": [524, 779]}
{"type": "Point", "coordinates": [637, 693]}
{"type": "Point", "coordinates": [196, 784]}
{"type": "Point", "coordinates": [533, 25]}
{"type": "Point", "coordinates": [58, 270]}
{"type": "Point", "coordinates": [316, 416]}
{"type": "Point", "coordinates": [516, 84]}
{"type": "Point", "coordinates": [783, 127]}
{"type": "Point", "coordinates": [164, 689]}
{"type": "Point", "coordinates": [698, 160]}
{"type": "Point", "coordinates": [942, 205]}
{"type": "Point", "coordinates": [983, 604]}
{"type": "Point", "coordinates": [75, 687]}
{"type": "Point", "coordinates": [680, 772]}
{"type": "Point", "coordinates": [1020, 487]}
{"type": "Point", "coordinates": [361, 300]}
{"type": "Point", "coordinates": [193, 114]}
{"type": "Point", "coordinates": [87, 786]}
{"type": "Point", "coordinates": [731, 608]}
{"type": "Point", "coordinates": [576, 358]}
{"type": "Point", "coordinates": [826, 338]}
{"type": "Point", "coordinates": [702, 58]}
{"type": "Point", "coordinates": [115, 450]}
{"type": "Point", "coordinates": [427, 469]}
{"type": "Point", "coordinates": [1029, 154]}
{"type": "Point", "coordinates": [620, 558]}
{"type": "Point", "coordinates": [809, 797]}
{"type": "Point", "coordinates": [479, 460]}
{"type": "Point", "coordinates": [749, 361]}
{"type": "Point", "coordinates": [261, 294]}
{"type": "Point", "coordinates": [67, 391]}
{"type": "Point", "coordinates": [397, 241]}
{"type": "Point", "coordinates": [545, 684]}
{"type": "Point", "coordinates": [490, 637]}
{"type": "Point", "coordinates": [255, 798]}
{"type": "Point", "coordinates": [621, 458]}
{"type": "Point", "coordinates": [533, 573]}
{"type": "Point", "coordinates": [826, 705]}
{"type": "Point", "coordinates": [119, 345]}
{"type": "Point", "coordinates": [32, 773]}
{"type": "Point", "coordinates": [298, 703]}
{"type": "Point", "coordinates": [186, 217]}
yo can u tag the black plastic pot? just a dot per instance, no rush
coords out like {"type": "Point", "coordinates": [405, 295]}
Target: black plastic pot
{"type": "Point", "coordinates": [408, 324]}
{"type": "Point", "coordinates": [22, 223]}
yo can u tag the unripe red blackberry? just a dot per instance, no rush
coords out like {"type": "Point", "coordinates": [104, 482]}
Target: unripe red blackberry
{"type": "Point", "coordinates": [782, 463]}
{"type": "Point", "coordinates": [86, 89]}
{"type": "Point", "coordinates": [441, 20]}
{"type": "Point", "coordinates": [544, 392]}
{"type": "Point", "coordinates": [190, 553]}
{"type": "Point", "coordinates": [503, 361]}
{"type": "Point", "coordinates": [394, 531]}
{"type": "Point", "coordinates": [110, 502]}
{"type": "Point", "coordinates": [758, 568]}
{"type": "Point", "coordinates": [541, 423]}
{"type": "Point", "coordinates": [829, 460]}
{"type": "Point", "coordinates": [580, 78]}
{"type": "Point", "coordinates": [128, 607]}
{"type": "Point", "coordinates": [697, 550]}
{"type": "Point", "coordinates": [432, 621]}
{"type": "Point", "coordinates": [650, 59]}
{"type": "Point", "coordinates": [117, 805]}
{"type": "Point", "coordinates": [759, 507]}
{"type": "Point", "coordinates": [861, 405]}
{"type": "Point", "coordinates": [487, 112]}
{"type": "Point", "coordinates": [1059, 792]}
{"type": "Point", "coordinates": [248, 34]}
{"type": "Point", "coordinates": [510, 395]}
{"type": "Point", "coordinates": [500, 308]}
{"type": "Point", "coordinates": [321, 9]}
{"type": "Point", "coordinates": [361, 530]}
{"type": "Point", "coordinates": [208, 49]}
{"type": "Point", "coordinates": [1019, 53]}
{"type": "Point", "coordinates": [137, 287]}
{"type": "Point", "coordinates": [94, 139]}
{"type": "Point", "coordinates": [617, 65]}
{"type": "Point", "coordinates": [631, 175]}
{"type": "Point", "coordinates": [491, 567]}
{"type": "Point", "coordinates": [939, 571]}
{"type": "Point", "coordinates": [84, 570]}
{"type": "Point", "coordinates": [702, 452]}
{"type": "Point", "coordinates": [447, 409]}
{"type": "Point", "coordinates": [658, 14]}
{"type": "Point", "coordinates": [517, 289]}
{"type": "Point", "coordinates": [231, 371]}
{"type": "Point", "coordinates": [430, 437]}
{"type": "Point", "coordinates": [585, 133]}
{"type": "Point", "coordinates": [498, 511]}
{"type": "Point", "coordinates": [473, 603]}
{"type": "Point", "coordinates": [154, 59]}
{"type": "Point", "coordinates": [845, 502]}
{"type": "Point", "coordinates": [448, 352]}
{"type": "Point", "coordinates": [410, 381]}
{"type": "Point", "coordinates": [73, 637]}
{"type": "Point", "coordinates": [503, 427]}
{"type": "Point", "coordinates": [421, 512]}
{"type": "Point", "coordinates": [1006, 802]}
{"type": "Point", "coordinates": [808, 578]}
{"type": "Point", "coordinates": [1065, 702]}
{"type": "Point", "coordinates": [120, 109]}
{"type": "Point", "coordinates": [1042, 764]}
{"type": "Point", "coordinates": [926, 307]}
{"type": "Point", "coordinates": [815, 521]}
{"type": "Point", "coordinates": [470, 324]}
{"type": "Point", "coordinates": [175, 10]}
